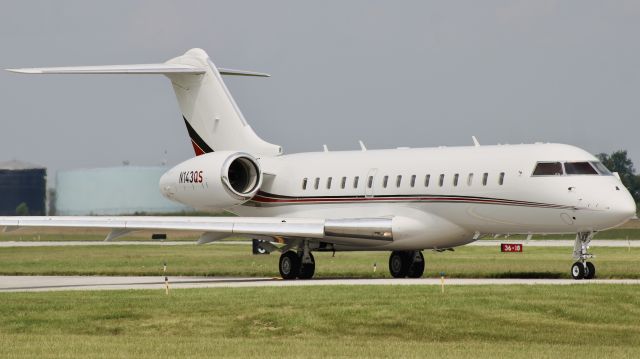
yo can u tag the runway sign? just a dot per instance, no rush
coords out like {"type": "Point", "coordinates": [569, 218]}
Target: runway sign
{"type": "Point", "coordinates": [510, 247]}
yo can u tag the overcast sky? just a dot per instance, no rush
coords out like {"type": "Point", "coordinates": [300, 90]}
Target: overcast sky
{"type": "Point", "coordinates": [392, 73]}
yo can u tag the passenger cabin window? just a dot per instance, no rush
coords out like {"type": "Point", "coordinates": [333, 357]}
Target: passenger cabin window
{"type": "Point", "coordinates": [548, 169]}
{"type": "Point", "coordinates": [398, 181]}
{"type": "Point", "coordinates": [579, 168]}
{"type": "Point", "coordinates": [343, 184]}
{"type": "Point", "coordinates": [501, 179]}
{"type": "Point", "coordinates": [304, 183]}
{"type": "Point", "coordinates": [441, 182]}
{"type": "Point", "coordinates": [426, 180]}
{"type": "Point", "coordinates": [329, 183]}
{"type": "Point", "coordinates": [470, 179]}
{"type": "Point", "coordinates": [413, 181]}
{"type": "Point", "coordinates": [370, 182]}
{"type": "Point", "coordinates": [355, 181]}
{"type": "Point", "coordinates": [485, 176]}
{"type": "Point", "coordinates": [317, 183]}
{"type": "Point", "coordinates": [385, 180]}
{"type": "Point", "coordinates": [455, 179]}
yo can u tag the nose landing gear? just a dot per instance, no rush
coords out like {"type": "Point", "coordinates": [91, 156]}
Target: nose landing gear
{"type": "Point", "coordinates": [582, 269]}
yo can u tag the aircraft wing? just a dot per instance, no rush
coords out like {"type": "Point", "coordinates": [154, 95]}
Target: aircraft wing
{"type": "Point", "coordinates": [338, 231]}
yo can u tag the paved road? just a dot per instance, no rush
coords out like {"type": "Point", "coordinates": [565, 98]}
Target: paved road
{"type": "Point", "coordinates": [482, 243]}
{"type": "Point", "coordinates": [58, 283]}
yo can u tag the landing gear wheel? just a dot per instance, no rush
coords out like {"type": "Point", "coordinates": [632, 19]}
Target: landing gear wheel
{"type": "Point", "coordinates": [578, 270]}
{"type": "Point", "coordinates": [416, 269]}
{"type": "Point", "coordinates": [289, 265]}
{"type": "Point", "coordinates": [399, 264]}
{"type": "Point", "coordinates": [590, 272]}
{"type": "Point", "coordinates": [308, 269]}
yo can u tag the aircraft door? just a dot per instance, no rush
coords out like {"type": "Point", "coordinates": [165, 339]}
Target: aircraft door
{"type": "Point", "coordinates": [369, 183]}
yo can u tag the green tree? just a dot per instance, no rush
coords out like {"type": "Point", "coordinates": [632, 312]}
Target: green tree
{"type": "Point", "coordinates": [22, 209]}
{"type": "Point", "coordinates": [620, 162]}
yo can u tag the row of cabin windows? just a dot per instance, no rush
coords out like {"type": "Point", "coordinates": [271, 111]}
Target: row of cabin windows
{"type": "Point", "coordinates": [398, 181]}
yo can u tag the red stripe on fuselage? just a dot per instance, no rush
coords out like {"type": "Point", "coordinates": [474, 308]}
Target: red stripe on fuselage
{"type": "Point", "coordinates": [293, 200]}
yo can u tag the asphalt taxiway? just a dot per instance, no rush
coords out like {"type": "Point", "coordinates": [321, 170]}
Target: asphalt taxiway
{"type": "Point", "coordinates": [60, 283]}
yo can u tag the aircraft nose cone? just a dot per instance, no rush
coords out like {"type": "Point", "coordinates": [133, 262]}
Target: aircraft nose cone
{"type": "Point", "coordinates": [625, 207]}
{"type": "Point", "coordinates": [629, 208]}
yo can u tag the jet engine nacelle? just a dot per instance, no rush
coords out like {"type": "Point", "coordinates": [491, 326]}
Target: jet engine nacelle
{"type": "Point", "coordinates": [213, 181]}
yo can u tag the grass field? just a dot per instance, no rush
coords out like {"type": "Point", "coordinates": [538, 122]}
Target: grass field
{"type": "Point", "coordinates": [237, 260]}
{"type": "Point", "coordinates": [588, 321]}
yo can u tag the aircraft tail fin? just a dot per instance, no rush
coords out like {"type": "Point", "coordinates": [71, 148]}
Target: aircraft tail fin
{"type": "Point", "coordinates": [214, 121]}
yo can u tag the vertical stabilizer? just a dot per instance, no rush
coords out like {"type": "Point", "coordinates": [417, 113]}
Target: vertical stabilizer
{"type": "Point", "coordinates": [212, 117]}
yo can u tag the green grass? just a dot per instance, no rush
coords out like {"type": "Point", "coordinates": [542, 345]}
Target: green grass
{"type": "Point", "coordinates": [591, 321]}
{"type": "Point", "coordinates": [237, 260]}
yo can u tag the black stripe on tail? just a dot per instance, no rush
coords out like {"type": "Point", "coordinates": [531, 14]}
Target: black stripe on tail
{"type": "Point", "coordinates": [199, 146]}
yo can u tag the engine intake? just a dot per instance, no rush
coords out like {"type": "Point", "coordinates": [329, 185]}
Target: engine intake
{"type": "Point", "coordinates": [242, 175]}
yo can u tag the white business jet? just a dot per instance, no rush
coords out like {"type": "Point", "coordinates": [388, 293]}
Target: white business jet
{"type": "Point", "coordinates": [400, 200]}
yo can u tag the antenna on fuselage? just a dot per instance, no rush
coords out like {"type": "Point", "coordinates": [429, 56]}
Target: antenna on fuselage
{"type": "Point", "coordinates": [475, 141]}
{"type": "Point", "coordinates": [362, 147]}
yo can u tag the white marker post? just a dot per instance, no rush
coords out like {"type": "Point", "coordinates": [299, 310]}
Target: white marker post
{"type": "Point", "coordinates": [442, 281]}
{"type": "Point", "coordinates": [166, 279]}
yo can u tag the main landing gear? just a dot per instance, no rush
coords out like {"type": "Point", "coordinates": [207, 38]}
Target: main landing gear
{"type": "Point", "coordinates": [404, 264]}
{"type": "Point", "coordinates": [582, 269]}
{"type": "Point", "coordinates": [297, 265]}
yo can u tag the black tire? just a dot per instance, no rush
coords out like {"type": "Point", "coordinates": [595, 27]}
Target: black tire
{"type": "Point", "coordinates": [399, 264]}
{"type": "Point", "coordinates": [307, 269]}
{"type": "Point", "coordinates": [577, 270]}
{"type": "Point", "coordinates": [590, 271]}
{"type": "Point", "coordinates": [289, 265]}
{"type": "Point", "coordinates": [416, 269]}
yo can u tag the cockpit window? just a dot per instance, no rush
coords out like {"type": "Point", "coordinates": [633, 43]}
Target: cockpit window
{"type": "Point", "coordinates": [548, 169]}
{"type": "Point", "coordinates": [579, 168]}
{"type": "Point", "coordinates": [601, 168]}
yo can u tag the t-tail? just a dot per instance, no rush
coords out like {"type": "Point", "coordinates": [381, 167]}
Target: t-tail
{"type": "Point", "coordinates": [214, 121]}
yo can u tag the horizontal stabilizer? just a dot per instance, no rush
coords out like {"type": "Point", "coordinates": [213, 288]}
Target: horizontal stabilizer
{"type": "Point", "coordinates": [115, 69]}
{"type": "Point", "coordinates": [163, 69]}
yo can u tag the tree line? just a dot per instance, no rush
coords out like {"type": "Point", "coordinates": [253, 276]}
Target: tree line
{"type": "Point", "coordinates": [620, 162]}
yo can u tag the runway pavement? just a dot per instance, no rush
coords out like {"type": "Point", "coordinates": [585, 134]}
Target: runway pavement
{"type": "Point", "coordinates": [481, 243]}
{"type": "Point", "coordinates": [59, 283]}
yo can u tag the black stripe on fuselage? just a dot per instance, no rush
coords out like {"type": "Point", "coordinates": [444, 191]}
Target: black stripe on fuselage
{"type": "Point", "coordinates": [196, 138]}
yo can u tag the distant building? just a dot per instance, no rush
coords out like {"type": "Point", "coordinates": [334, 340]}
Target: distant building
{"type": "Point", "coordinates": [23, 189]}
{"type": "Point", "coordinates": [112, 191]}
